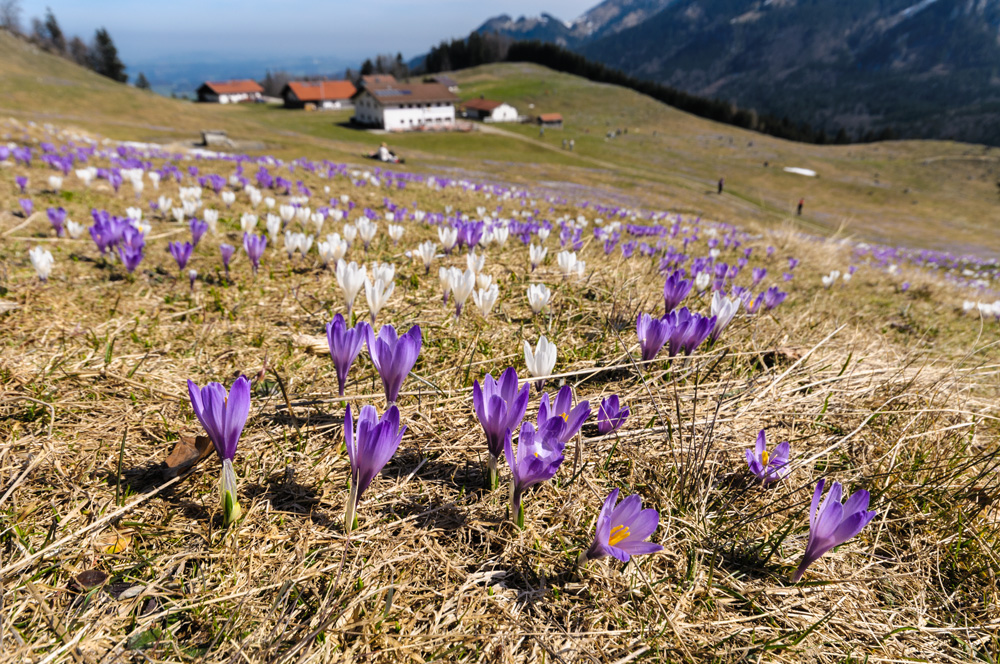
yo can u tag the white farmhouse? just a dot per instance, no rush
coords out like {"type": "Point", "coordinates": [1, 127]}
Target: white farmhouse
{"type": "Point", "coordinates": [398, 107]}
{"type": "Point", "coordinates": [230, 92]}
{"type": "Point", "coordinates": [488, 110]}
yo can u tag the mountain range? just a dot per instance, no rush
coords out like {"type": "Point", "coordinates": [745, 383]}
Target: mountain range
{"type": "Point", "coordinates": [924, 68]}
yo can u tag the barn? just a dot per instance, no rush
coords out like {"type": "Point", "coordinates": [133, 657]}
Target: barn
{"type": "Point", "coordinates": [489, 110]}
{"type": "Point", "coordinates": [321, 94]}
{"type": "Point", "coordinates": [397, 107]}
{"type": "Point", "coordinates": [230, 92]}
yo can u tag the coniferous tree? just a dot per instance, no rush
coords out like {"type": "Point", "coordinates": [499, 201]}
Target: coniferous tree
{"type": "Point", "coordinates": [79, 52]}
{"type": "Point", "coordinates": [10, 16]}
{"type": "Point", "coordinates": [104, 57]}
{"type": "Point", "coordinates": [142, 82]}
{"type": "Point", "coordinates": [56, 38]}
{"type": "Point", "coordinates": [367, 68]}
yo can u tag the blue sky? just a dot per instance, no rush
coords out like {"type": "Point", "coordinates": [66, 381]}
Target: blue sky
{"type": "Point", "coordinates": [187, 30]}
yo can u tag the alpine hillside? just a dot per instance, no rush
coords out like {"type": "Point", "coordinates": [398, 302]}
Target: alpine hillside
{"type": "Point", "coordinates": [925, 69]}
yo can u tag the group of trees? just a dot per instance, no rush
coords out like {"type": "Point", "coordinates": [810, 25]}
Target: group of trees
{"type": "Point", "coordinates": [100, 55]}
{"type": "Point", "coordinates": [383, 64]}
{"type": "Point", "coordinates": [479, 49]}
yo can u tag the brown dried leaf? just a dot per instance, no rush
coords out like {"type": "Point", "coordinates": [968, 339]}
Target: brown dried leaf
{"type": "Point", "coordinates": [91, 578]}
{"type": "Point", "coordinates": [187, 453]}
{"type": "Point", "coordinates": [316, 345]}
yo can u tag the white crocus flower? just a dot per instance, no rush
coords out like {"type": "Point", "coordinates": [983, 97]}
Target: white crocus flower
{"type": "Point", "coordinates": [255, 196]}
{"type": "Point", "coordinates": [178, 214]}
{"type": "Point", "coordinates": [317, 219]}
{"type": "Point", "coordinates": [567, 263]}
{"type": "Point", "coordinates": [338, 246]}
{"type": "Point", "coordinates": [351, 279]}
{"type": "Point", "coordinates": [337, 215]}
{"type": "Point", "coordinates": [134, 213]}
{"type": "Point", "coordinates": [395, 232]}
{"type": "Point", "coordinates": [384, 271]}
{"type": "Point", "coordinates": [448, 236]}
{"type": "Point", "coordinates": [542, 361]}
{"type": "Point", "coordinates": [830, 279]}
{"type": "Point", "coordinates": [212, 219]}
{"type": "Point", "coordinates": [287, 213]}
{"type": "Point", "coordinates": [485, 299]}
{"type": "Point", "coordinates": [847, 277]}
{"type": "Point", "coordinates": [42, 261]}
{"type": "Point", "coordinates": [189, 207]}
{"type": "Point", "coordinates": [538, 297]}
{"type": "Point", "coordinates": [350, 233]}
{"type": "Point", "coordinates": [228, 197]}
{"type": "Point", "coordinates": [274, 225]}
{"type": "Point", "coordinates": [724, 309]}
{"type": "Point", "coordinates": [462, 284]}
{"type": "Point", "coordinates": [86, 176]}
{"type": "Point", "coordinates": [702, 281]}
{"type": "Point", "coordinates": [537, 254]}
{"type": "Point", "coordinates": [248, 222]}
{"type": "Point", "coordinates": [543, 234]}
{"type": "Point", "coordinates": [484, 280]}
{"type": "Point", "coordinates": [55, 183]}
{"type": "Point", "coordinates": [444, 276]}
{"type": "Point", "coordinates": [427, 251]}
{"type": "Point", "coordinates": [303, 215]}
{"type": "Point", "coordinates": [367, 230]}
{"type": "Point", "coordinates": [580, 267]}
{"type": "Point", "coordinates": [164, 204]}
{"type": "Point", "coordinates": [377, 295]}
{"type": "Point", "coordinates": [475, 263]}
{"type": "Point", "coordinates": [269, 203]}
{"type": "Point", "coordinates": [500, 235]}
{"type": "Point", "coordinates": [74, 229]}
{"type": "Point", "coordinates": [154, 177]}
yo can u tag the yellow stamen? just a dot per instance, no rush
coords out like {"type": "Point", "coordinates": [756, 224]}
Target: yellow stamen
{"type": "Point", "coordinates": [565, 417]}
{"type": "Point", "coordinates": [618, 533]}
{"type": "Point", "coordinates": [764, 456]}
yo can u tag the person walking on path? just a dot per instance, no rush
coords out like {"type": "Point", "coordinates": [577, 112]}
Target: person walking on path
{"type": "Point", "coordinates": [722, 184]}
{"type": "Point", "coordinates": [802, 202]}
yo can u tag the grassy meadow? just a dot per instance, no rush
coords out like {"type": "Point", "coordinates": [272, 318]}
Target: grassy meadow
{"type": "Point", "coordinates": [881, 382]}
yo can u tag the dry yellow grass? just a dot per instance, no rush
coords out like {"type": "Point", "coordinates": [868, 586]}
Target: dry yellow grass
{"type": "Point", "coordinates": [887, 391]}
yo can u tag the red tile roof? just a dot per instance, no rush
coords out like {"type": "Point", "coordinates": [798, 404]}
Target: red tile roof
{"type": "Point", "coordinates": [321, 90]}
{"type": "Point", "coordinates": [486, 105]}
{"type": "Point", "coordinates": [550, 117]}
{"type": "Point", "coordinates": [234, 87]}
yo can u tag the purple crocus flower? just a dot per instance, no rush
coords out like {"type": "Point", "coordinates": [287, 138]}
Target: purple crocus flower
{"type": "Point", "coordinates": [223, 417]}
{"type": "Point", "coordinates": [369, 448]}
{"type": "Point", "coordinates": [538, 457]}
{"type": "Point", "coordinates": [652, 333]}
{"type": "Point", "coordinates": [758, 275]}
{"type": "Point", "coordinates": [675, 289]}
{"type": "Point", "coordinates": [773, 297]}
{"type": "Point", "coordinates": [687, 330]}
{"type": "Point", "coordinates": [832, 523]}
{"type": "Point", "coordinates": [27, 207]}
{"type": "Point", "coordinates": [563, 410]}
{"type": "Point", "coordinates": [610, 416]}
{"type": "Point", "coordinates": [57, 217]}
{"type": "Point", "coordinates": [622, 529]}
{"type": "Point", "coordinates": [131, 256]}
{"type": "Point", "coordinates": [768, 467]}
{"type": "Point", "coordinates": [227, 251]}
{"type": "Point", "coordinates": [393, 356]}
{"type": "Point", "coordinates": [22, 182]}
{"type": "Point", "coordinates": [198, 229]}
{"type": "Point", "coordinates": [345, 344]}
{"type": "Point", "coordinates": [181, 253]}
{"type": "Point", "coordinates": [500, 408]}
{"type": "Point", "coordinates": [254, 245]}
